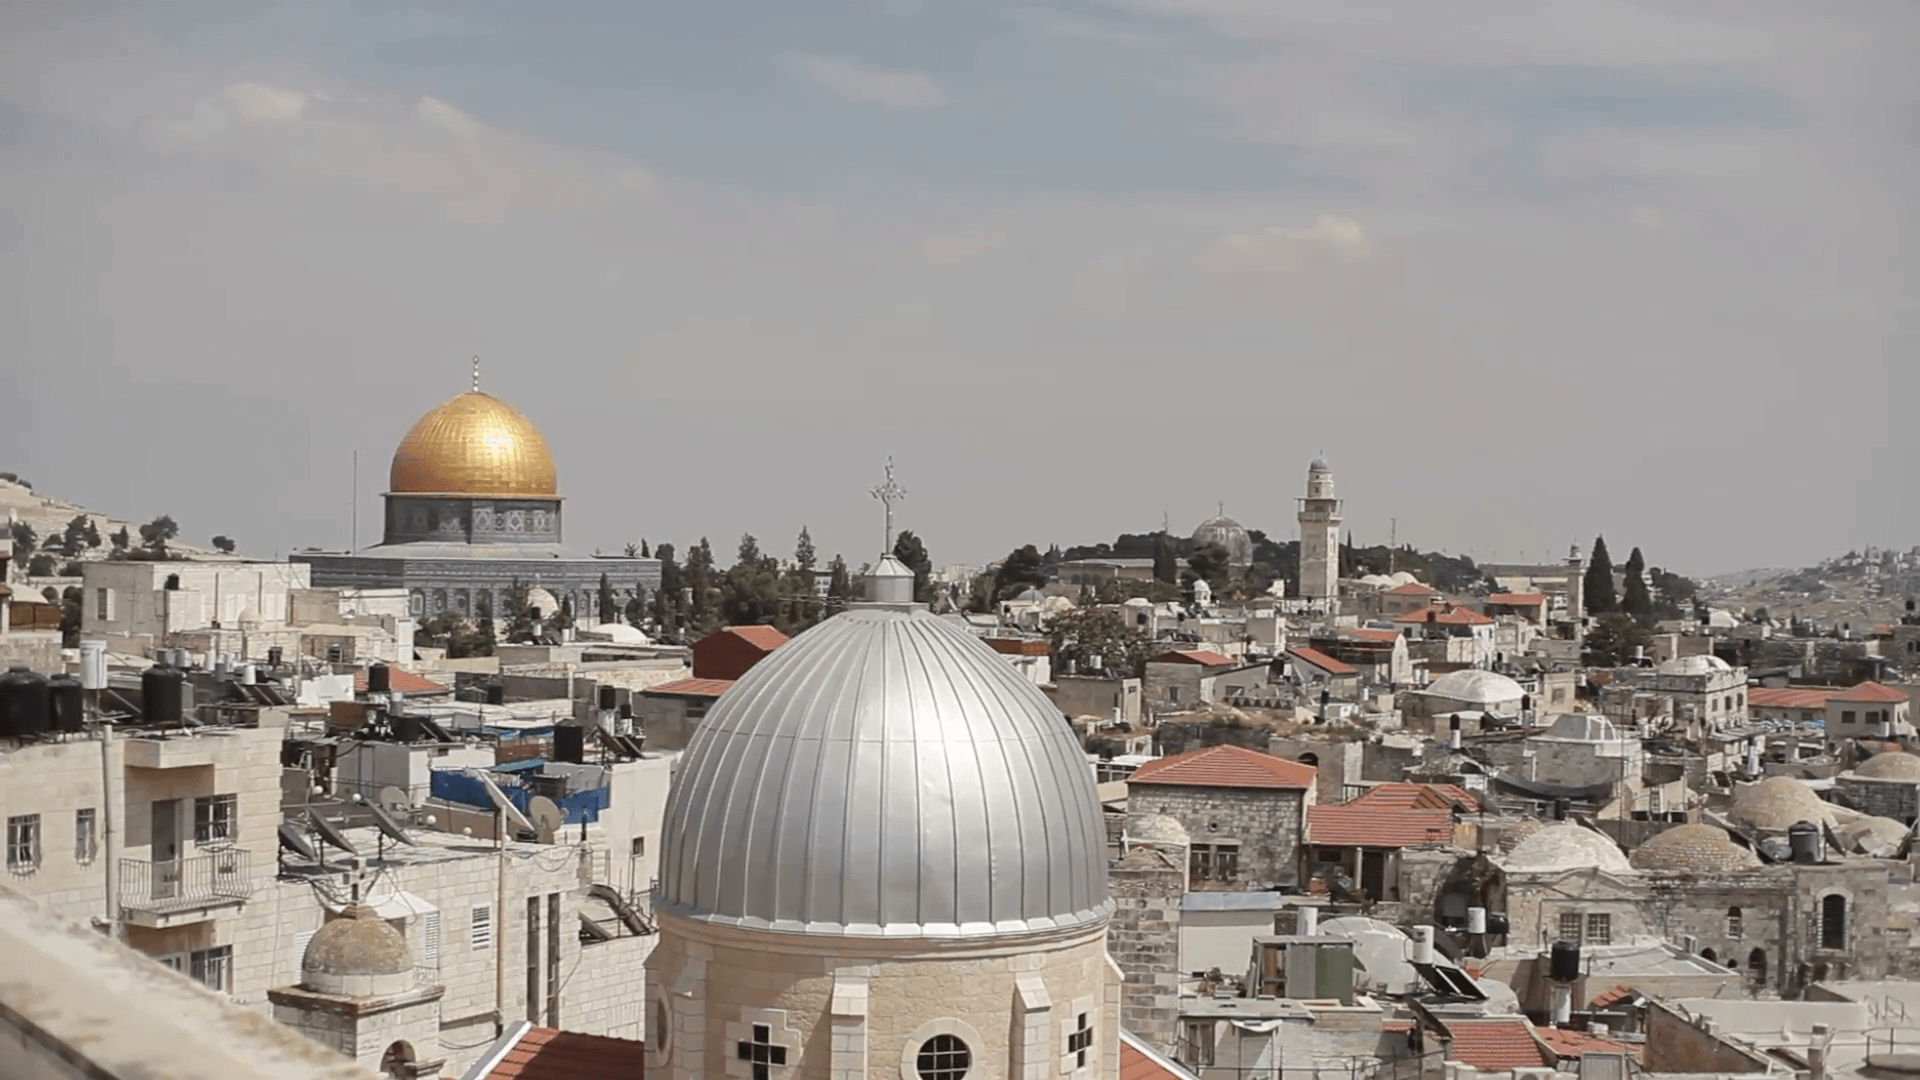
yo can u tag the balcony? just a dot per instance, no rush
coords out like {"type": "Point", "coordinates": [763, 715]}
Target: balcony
{"type": "Point", "coordinates": [180, 891]}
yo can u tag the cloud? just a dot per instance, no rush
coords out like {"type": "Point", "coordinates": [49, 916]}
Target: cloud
{"type": "Point", "coordinates": [893, 89]}
{"type": "Point", "coordinates": [253, 103]}
{"type": "Point", "coordinates": [1278, 249]}
{"type": "Point", "coordinates": [948, 249]}
{"type": "Point", "coordinates": [435, 111]}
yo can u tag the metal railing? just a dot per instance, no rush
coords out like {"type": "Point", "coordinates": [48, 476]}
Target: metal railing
{"type": "Point", "coordinates": [182, 884]}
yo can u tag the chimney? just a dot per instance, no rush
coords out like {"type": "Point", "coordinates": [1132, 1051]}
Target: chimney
{"type": "Point", "coordinates": [1817, 1052]}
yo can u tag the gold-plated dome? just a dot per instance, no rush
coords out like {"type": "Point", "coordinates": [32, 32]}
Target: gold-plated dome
{"type": "Point", "coordinates": [475, 444]}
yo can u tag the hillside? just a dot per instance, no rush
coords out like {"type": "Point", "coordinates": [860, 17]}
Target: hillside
{"type": "Point", "coordinates": [49, 516]}
{"type": "Point", "coordinates": [1861, 588]}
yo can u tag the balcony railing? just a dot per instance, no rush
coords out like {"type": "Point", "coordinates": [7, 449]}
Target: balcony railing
{"type": "Point", "coordinates": [171, 886]}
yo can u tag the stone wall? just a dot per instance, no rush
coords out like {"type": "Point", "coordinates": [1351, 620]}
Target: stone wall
{"type": "Point", "coordinates": [1144, 939]}
{"type": "Point", "coordinates": [1265, 822]}
{"type": "Point", "coordinates": [1896, 799]}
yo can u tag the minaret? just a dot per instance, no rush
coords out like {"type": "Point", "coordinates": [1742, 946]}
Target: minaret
{"type": "Point", "coordinates": [1320, 535]}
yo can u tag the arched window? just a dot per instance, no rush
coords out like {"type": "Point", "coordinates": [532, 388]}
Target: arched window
{"type": "Point", "coordinates": [943, 1057]}
{"type": "Point", "coordinates": [1708, 956]}
{"type": "Point", "coordinates": [1833, 921]}
{"type": "Point", "coordinates": [1735, 928]}
{"type": "Point", "coordinates": [398, 1061]}
{"type": "Point", "coordinates": [1757, 967]}
{"type": "Point", "coordinates": [1310, 758]}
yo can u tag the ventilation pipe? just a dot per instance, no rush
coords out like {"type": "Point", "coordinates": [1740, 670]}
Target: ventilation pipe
{"type": "Point", "coordinates": [1309, 921]}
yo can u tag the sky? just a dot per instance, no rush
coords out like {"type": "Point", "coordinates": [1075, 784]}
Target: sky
{"type": "Point", "coordinates": [1525, 272]}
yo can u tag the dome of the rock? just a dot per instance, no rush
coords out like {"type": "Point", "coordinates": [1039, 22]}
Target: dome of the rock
{"type": "Point", "coordinates": [474, 444]}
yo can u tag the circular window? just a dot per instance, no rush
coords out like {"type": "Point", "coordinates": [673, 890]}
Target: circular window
{"type": "Point", "coordinates": [943, 1057]}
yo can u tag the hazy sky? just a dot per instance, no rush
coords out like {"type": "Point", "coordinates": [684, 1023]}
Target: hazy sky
{"type": "Point", "coordinates": [1525, 271]}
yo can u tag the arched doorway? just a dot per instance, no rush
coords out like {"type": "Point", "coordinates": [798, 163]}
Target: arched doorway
{"type": "Point", "coordinates": [1757, 968]}
{"type": "Point", "coordinates": [1708, 956]}
{"type": "Point", "coordinates": [1833, 921]}
{"type": "Point", "coordinates": [397, 1062]}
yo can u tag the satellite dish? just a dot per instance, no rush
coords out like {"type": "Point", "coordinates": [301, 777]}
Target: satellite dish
{"type": "Point", "coordinates": [395, 800]}
{"type": "Point", "coordinates": [331, 834]}
{"type": "Point", "coordinates": [291, 839]}
{"type": "Point", "coordinates": [387, 825]}
{"type": "Point", "coordinates": [547, 817]}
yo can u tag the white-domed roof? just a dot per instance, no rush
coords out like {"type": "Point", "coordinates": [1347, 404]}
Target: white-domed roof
{"type": "Point", "coordinates": [1699, 664]}
{"type": "Point", "coordinates": [884, 773]}
{"type": "Point", "coordinates": [1876, 836]}
{"type": "Point", "coordinates": [1693, 849]}
{"type": "Point", "coordinates": [1156, 829]}
{"type": "Point", "coordinates": [1477, 687]}
{"type": "Point", "coordinates": [1378, 581]}
{"type": "Point", "coordinates": [1891, 765]}
{"type": "Point", "coordinates": [1583, 727]}
{"type": "Point", "coordinates": [1566, 847]}
{"type": "Point", "coordinates": [1401, 577]}
{"type": "Point", "coordinates": [1777, 803]}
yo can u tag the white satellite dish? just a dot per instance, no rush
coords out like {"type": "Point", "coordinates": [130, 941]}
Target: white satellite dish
{"type": "Point", "coordinates": [547, 818]}
{"type": "Point", "coordinates": [393, 800]}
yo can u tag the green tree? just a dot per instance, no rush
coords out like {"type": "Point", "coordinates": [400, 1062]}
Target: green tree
{"type": "Point", "coordinates": [1019, 571]}
{"type": "Point", "coordinates": [636, 610]}
{"type": "Point", "coordinates": [643, 548]}
{"type": "Point", "coordinates": [803, 554]}
{"type": "Point", "coordinates": [520, 613]}
{"type": "Point", "coordinates": [73, 539]}
{"type": "Point", "coordinates": [608, 612]}
{"type": "Point", "coordinates": [121, 541]}
{"type": "Point", "coordinates": [224, 544]}
{"type": "Point", "coordinates": [24, 539]}
{"type": "Point", "coordinates": [1637, 601]}
{"type": "Point", "coordinates": [1597, 590]}
{"type": "Point", "coordinates": [1210, 563]}
{"type": "Point", "coordinates": [667, 600]}
{"type": "Point", "coordinates": [1079, 637]}
{"type": "Point", "coordinates": [70, 600]}
{"type": "Point", "coordinates": [1612, 639]}
{"type": "Point", "coordinates": [631, 551]}
{"type": "Point", "coordinates": [751, 588]}
{"type": "Point", "coordinates": [909, 550]}
{"type": "Point", "coordinates": [563, 619]}
{"type": "Point", "coordinates": [40, 565]}
{"type": "Point", "coordinates": [1165, 566]}
{"type": "Point", "coordinates": [155, 534]}
{"type": "Point", "coordinates": [484, 638]}
{"type": "Point", "coordinates": [703, 590]}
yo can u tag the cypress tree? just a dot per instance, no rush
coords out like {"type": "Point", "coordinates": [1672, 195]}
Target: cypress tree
{"type": "Point", "coordinates": [1637, 602]}
{"type": "Point", "coordinates": [1597, 591]}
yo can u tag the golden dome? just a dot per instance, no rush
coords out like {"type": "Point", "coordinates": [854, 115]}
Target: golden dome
{"type": "Point", "coordinates": [475, 444]}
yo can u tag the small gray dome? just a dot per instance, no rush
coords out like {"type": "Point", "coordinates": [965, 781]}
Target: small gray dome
{"type": "Point", "coordinates": [1891, 765]}
{"type": "Point", "coordinates": [1693, 849]}
{"type": "Point", "coordinates": [1319, 464]}
{"type": "Point", "coordinates": [885, 773]}
{"type": "Point", "coordinates": [1230, 535]}
{"type": "Point", "coordinates": [1157, 829]}
{"type": "Point", "coordinates": [1777, 803]}
{"type": "Point", "coordinates": [1561, 847]}
{"type": "Point", "coordinates": [1477, 687]}
{"type": "Point", "coordinates": [357, 955]}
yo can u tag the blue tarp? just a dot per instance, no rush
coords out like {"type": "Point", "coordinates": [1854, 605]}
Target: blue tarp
{"type": "Point", "coordinates": [461, 788]}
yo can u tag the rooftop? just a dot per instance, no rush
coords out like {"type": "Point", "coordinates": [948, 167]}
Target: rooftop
{"type": "Point", "coordinates": [538, 1053]}
{"type": "Point", "coordinates": [709, 688]}
{"type": "Point", "coordinates": [1405, 795]}
{"type": "Point", "coordinates": [1497, 1045]}
{"type": "Point", "coordinates": [1447, 616]}
{"type": "Point", "coordinates": [766, 637]}
{"type": "Point", "coordinates": [1322, 661]}
{"type": "Point", "coordinates": [1789, 697]}
{"type": "Point", "coordinates": [1227, 766]}
{"type": "Point", "coordinates": [1202, 657]}
{"type": "Point", "coordinates": [400, 681]}
{"type": "Point", "coordinates": [1518, 599]}
{"type": "Point", "coordinates": [1360, 824]}
{"type": "Point", "coordinates": [1872, 693]}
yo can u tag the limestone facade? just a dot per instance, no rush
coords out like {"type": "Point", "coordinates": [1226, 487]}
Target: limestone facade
{"type": "Point", "coordinates": [821, 1007]}
{"type": "Point", "coordinates": [1263, 825]}
{"type": "Point", "coordinates": [1144, 940]}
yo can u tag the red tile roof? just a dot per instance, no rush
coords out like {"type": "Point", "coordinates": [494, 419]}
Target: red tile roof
{"type": "Point", "coordinates": [1136, 1064]}
{"type": "Point", "coordinates": [1360, 824]}
{"type": "Point", "coordinates": [1872, 693]}
{"type": "Point", "coordinates": [1226, 766]}
{"type": "Point", "coordinates": [1410, 796]}
{"type": "Point", "coordinates": [766, 637]}
{"type": "Point", "coordinates": [1790, 697]}
{"type": "Point", "coordinates": [1412, 588]}
{"type": "Point", "coordinates": [1518, 599]}
{"type": "Point", "coordinates": [546, 1054]}
{"type": "Point", "coordinates": [1365, 633]}
{"type": "Point", "coordinates": [1451, 616]}
{"type": "Point", "coordinates": [1612, 997]}
{"type": "Point", "coordinates": [1322, 661]}
{"type": "Point", "coordinates": [1496, 1045]}
{"type": "Point", "coordinates": [400, 681]}
{"type": "Point", "coordinates": [1572, 1044]}
{"type": "Point", "coordinates": [1008, 646]}
{"type": "Point", "coordinates": [691, 688]}
{"type": "Point", "coordinates": [1192, 656]}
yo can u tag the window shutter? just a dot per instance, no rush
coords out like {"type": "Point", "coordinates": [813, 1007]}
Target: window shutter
{"type": "Point", "coordinates": [430, 938]}
{"type": "Point", "coordinates": [300, 940]}
{"type": "Point", "coordinates": [482, 927]}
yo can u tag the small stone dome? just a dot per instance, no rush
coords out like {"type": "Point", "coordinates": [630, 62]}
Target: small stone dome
{"type": "Point", "coordinates": [1777, 802]}
{"type": "Point", "coordinates": [1319, 464]}
{"type": "Point", "coordinates": [1513, 833]}
{"type": "Point", "coordinates": [357, 955]}
{"type": "Point", "coordinates": [1566, 847]}
{"type": "Point", "coordinates": [1230, 535]}
{"type": "Point", "coordinates": [1876, 836]}
{"type": "Point", "coordinates": [1693, 849]}
{"type": "Point", "coordinates": [1700, 664]}
{"type": "Point", "coordinates": [1477, 687]}
{"type": "Point", "coordinates": [1156, 829]}
{"type": "Point", "coordinates": [1891, 765]}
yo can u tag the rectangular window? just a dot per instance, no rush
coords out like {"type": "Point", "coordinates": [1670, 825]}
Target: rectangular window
{"type": "Point", "coordinates": [1599, 929]}
{"type": "Point", "coordinates": [85, 844]}
{"type": "Point", "coordinates": [1570, 927]}
{"type": "Point", "coordinates": [215, 819]}
{"type": "Point", "coordinates": [23, 843]}
{"type": "Point", "coordinates": [1173, 694]}
{"type": "Point", "coordinates": [639, 847]}
{"type": "Point", "coordinates": [174, 961]}
{"type": "Point", "coordinates": [1846, 716]}
{"type": "Point", "coordinates": [1198, 1044]}
{"type": "Point", "coordinates": [533, 959]}
{"type": "Point", "coordinates": [480, 928]}
{"type": "Point", "coordinates": [553, 960]}
{"type": "Point", "coordinates": [1214, 862]}
{"type": "Point", "coordinates": [103, 604]}
{"type": "Point", "coordinates": [213, 968]}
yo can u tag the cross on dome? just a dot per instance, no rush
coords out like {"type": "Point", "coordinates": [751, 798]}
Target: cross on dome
{"type": "Point", "coordinates": [889, 493]}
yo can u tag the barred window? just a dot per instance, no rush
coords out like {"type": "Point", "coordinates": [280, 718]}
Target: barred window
{"type": "Point", "coordinates": [215, 819]}
{"type": "Point", "coordinates": [23, 843]}
{"type": "Point", "coordinates": [1599, 929]}
{"type": "Point", "coordinates": [213, 968]}
{"type": "Point", "coordinates": [1570, 927]}
{"type": "Point", "coordinates": [85, 844]}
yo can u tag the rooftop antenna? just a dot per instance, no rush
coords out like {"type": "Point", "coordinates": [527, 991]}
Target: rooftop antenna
{"type": "Point", "coordinates": [889, 493]}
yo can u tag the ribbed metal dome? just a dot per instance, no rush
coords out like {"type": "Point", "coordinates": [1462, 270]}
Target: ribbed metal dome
{"type": "Point", "coordinates": [885, 773]}
{"type": "Point", "coordinates": [474, 444]}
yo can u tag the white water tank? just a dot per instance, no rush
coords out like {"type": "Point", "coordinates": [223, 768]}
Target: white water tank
{"type": "Point", "coordinates": [93, 665]}
{"type": "Point", "coordinates": [1422, 945]}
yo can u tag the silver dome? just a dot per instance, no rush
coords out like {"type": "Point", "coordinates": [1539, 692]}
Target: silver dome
{"type": "Point", "coordinates": [885, 773]}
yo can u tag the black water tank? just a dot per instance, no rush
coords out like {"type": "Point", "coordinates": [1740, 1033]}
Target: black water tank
{"type": "Point", "coordinates": [1496, 922]}
{"type": "Point", "coordinates": [609, 697]}
{"type": "Point", "coordinates": [68, 702]}
{"type": "Point", "coordinates": [1564, 962]}
{"type": "Point", "coordinates": [496, 693]}
{"type": "Point", "coordinates": [1803, 839]}
{"type": "Point", "coordinates": [570, 744]}
{"type": "Point", "coordinates": [23, 703]}
{"type": "Point", "coordinates": [162, 695]}
{"type": "Point", "coordinates": [274, 655]}
{"type": "Point", "coordinates": [1560, 807]}
{"type": "Point", "coordinates": [379, 679]}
